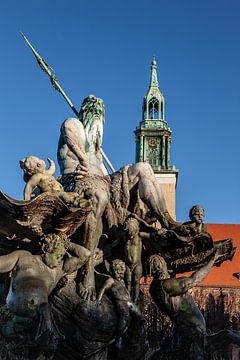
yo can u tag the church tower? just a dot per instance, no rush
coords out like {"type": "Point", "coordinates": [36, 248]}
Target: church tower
{"type": "Point", "coordinates": [153, 140]}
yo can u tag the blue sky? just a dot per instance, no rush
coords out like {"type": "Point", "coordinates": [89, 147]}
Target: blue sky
{"type": "Point", "coordinates": [105, 48]}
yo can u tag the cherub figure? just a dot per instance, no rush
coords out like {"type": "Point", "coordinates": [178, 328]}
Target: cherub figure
{"type": "Point", "coordinates": [121, 298]}
{"type": "Point", "coordinates": [37, 176]}
{"type": "Point", "coordinates": [34, 277]}
{"type": "Point", "coordinates": [131, 239]}
{"type": "Point", "coordinates": [133, 257]}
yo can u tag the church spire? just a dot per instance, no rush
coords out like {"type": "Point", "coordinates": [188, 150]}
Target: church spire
{"type": "Point", "coordinates": [153, 136]}
{"type": "Point", "coordinates": [153, 103]}
{"type": "Point", "coordinates": [153, 140]}
{"type": "Point", "coordinates": [154, 80]}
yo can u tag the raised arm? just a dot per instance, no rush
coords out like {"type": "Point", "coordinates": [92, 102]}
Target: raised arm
{"type": "Point", "coordinates": [79, 257]}
{"type": "Point", "coordinates": [108, 284]}
{"type": "Point", "coordinates": [179, 286]}
{"type": "Point", "coordinates": [8, 262]}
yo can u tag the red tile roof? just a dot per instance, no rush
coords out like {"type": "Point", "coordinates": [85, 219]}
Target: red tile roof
{"type": "Point", "coordinates": [222, 276]}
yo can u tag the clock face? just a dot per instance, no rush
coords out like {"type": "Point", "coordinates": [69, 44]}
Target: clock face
{"type": "Point", "coordinates": [152, 143]}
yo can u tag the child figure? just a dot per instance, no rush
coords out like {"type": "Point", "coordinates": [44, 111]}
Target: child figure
{"type": "Point", "coordinates": [131, 239]}
{"type": "Point", "coordinates": [133, 257]}
{"type": "Point", "coordinates": [37, 176]}
{"type": "Point", "coordinates": [121, 298]}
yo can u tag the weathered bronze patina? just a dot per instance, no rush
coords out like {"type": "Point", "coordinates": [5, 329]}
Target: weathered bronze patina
{"type": "Point", "coordinates": [73, 251]}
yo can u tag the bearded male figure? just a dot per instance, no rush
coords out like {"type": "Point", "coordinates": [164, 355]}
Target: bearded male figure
{"type": "Point", "coordinates": [82, 170]}
{"type": "Point", "coordinates": [81, 139]}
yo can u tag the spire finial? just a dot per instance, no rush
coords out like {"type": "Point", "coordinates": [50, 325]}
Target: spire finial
{"type": "Point", "coordinates": [154, 80]}
{"type": "Point", "coordinates": [154, 61]}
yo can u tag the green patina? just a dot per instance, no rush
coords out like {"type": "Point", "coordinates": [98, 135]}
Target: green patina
{"type": "Point", "coordinates": [153, 136]}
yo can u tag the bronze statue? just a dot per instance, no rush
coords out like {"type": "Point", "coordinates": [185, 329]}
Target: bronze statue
{"type": "Point", "coordinates": [189, 339]}
{"type": "Point", "coordinates": [196, 215]}
{"type": "Point", "coordinates": [111, 195]}
{"type": "Point", "coordinates": [133, 257]}
{"type": "Point", "coordinates": [130, 239]}
{"type": "Point", "coordinates": [33, 278]}
{"type": "Point", "coordinates": [37, 177]}
{"type": "Point", "coordinates": [121, 297]}
{"type": "Point", "coordinates": [81, 139]}
{"type": "Point", "coordinates": [196, 224]}
{"type": "Point", "coordinates": [57, 302]}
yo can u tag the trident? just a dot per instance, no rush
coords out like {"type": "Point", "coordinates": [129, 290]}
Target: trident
{"type": "Point", "coordinates": [55, 83]}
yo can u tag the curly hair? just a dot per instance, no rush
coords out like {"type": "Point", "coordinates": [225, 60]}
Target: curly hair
{"type": "Point", "coordinates": [51, 242]}
{"type": "Point", "coordinates": [115, 263]}
{"type": "Point", "coordinates": [193, 208]}
{"type": "Point", "coordinates": [132, 225]}
{"type": "Point", "coordinates": [157, 265]}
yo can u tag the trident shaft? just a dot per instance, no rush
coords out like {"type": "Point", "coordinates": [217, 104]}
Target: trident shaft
{"type": "Point", "coordinates": [54, 81]}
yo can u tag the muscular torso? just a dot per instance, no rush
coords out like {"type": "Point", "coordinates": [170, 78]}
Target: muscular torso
{"type": "Point", "coordinates": [67, 159]}
{"type": "Point", "coordinates": [31, 283]}
{"type": "Point", "coordinates": [180, 308]}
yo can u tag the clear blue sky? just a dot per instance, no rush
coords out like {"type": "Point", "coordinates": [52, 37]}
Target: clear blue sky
{"type": "Point", "coordinates": [105, 48]}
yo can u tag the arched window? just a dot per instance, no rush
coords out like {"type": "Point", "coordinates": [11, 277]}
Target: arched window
{"type": "Point", "coordinates": [153, 108]}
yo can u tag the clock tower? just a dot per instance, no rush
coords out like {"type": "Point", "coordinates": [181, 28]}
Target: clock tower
{"type": "Point", "coordinates": [153, 140]}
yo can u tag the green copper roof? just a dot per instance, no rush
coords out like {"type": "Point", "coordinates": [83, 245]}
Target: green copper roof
{"type": "Point", "coordinates": [153, 136]}
{"type": "Point", "coordinates": [154, 80]}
